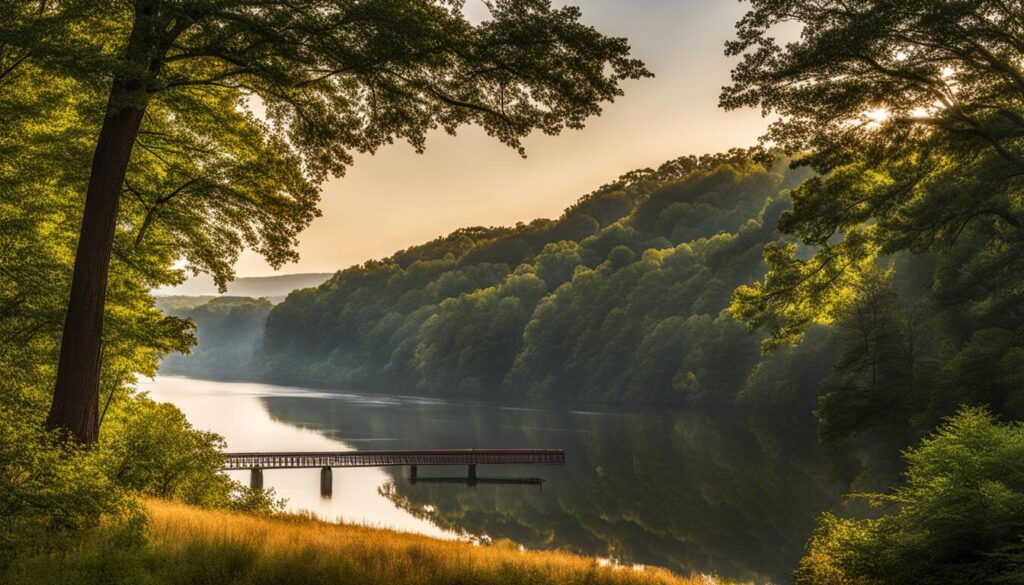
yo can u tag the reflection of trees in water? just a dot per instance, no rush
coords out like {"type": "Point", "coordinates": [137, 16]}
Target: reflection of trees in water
{"type": "Point", "coordinates": [733, 495]}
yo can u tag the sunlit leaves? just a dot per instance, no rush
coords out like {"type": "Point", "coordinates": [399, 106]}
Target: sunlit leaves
{"type": "Point", "coordinates": [47, 490]}
{"type": "Point", "coordinates": [208, 179]}
{"type": "Point", "coordinates": [910, 113]}
{"type": "Point", "coordinates": [797, 292]}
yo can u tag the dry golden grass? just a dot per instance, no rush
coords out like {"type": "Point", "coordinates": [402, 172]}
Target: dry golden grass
{"type": "Point", "coordinates": [236, 548]}
{"type": "Point", "coordinates": [181, 544]}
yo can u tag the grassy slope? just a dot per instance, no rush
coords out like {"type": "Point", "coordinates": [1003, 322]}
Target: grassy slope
{"type": "Point", "coordinates": [191, 545]}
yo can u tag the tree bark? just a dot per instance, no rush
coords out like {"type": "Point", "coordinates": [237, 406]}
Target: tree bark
{"type": "Point", "coordinates": [75, 406]}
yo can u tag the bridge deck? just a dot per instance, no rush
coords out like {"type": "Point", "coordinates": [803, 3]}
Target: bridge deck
{"type": "Point", "coordinates": [295, 460]}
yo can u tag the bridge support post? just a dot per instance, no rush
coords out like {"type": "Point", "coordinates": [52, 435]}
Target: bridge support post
{"type": "Point", "coordinates": [412, 474]}
{"type": "Point", "coordinates": [471, 479]}
{"type": "Point", "coordinates": [326, 482]}
{"type": "Point", "coordinates": [256, 478]}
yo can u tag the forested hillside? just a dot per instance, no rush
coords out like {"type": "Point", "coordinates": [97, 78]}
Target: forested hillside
{"type": "Point", "coordinates": [622, 298]}
{"type": "Point", "coordinates": [640, 292]}
{"type": "Point", "coordinates": [228, 333]}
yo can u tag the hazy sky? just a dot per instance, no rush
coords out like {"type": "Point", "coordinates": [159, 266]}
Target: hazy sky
{"type": "Point", "coordinates": [398, 198]}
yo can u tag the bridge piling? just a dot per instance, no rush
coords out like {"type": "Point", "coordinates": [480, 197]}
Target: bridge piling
{"type": "Point", "coordinates": [326, 482]}
{"type": "Point", "coordinates": [412, 474]}
{"type": "Point", "coordinates": [472, 474]}
{"type": "Point", "coordinates": [256, 478]}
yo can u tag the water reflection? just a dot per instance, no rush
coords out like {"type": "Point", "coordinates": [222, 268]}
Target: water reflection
{"type": "Point", "coordinates": [236, 411]}
{"type": "Point", "coordinates": [734, 495]}
{"type": "Point", "coordinates": [472, 482]}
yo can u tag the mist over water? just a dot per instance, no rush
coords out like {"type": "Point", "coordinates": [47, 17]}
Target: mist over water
{"type": "Point", "coordinates": [693, 491]}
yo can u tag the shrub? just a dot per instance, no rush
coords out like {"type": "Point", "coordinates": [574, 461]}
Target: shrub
{"type": "Point", "coordinates": [49, 490]}
{"type": "Point", "coordinates": [151, 448]}
{"type": "Point", "coordinates": [958, 518]}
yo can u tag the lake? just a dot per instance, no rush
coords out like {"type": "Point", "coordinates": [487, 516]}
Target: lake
{"type": "Point", "coordinates": [734, 495]}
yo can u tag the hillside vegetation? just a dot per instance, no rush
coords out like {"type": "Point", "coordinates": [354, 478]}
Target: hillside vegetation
{"type": "Point", "coordinates": [647, 290]}
{"type": "Point", "coordinates": [228, 333]}
{"type": "Point", "coordinates": [185, 544]}
{"type": "Point", "coordinates": [622, 298]}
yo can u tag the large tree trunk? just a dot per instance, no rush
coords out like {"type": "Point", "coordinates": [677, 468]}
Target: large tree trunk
{"type": "Point", "coordinates": [76, 395]}
{"type": "Point", "coordinates": [75, 403]}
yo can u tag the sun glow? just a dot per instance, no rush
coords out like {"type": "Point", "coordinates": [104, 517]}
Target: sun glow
{"type": "Point", "coordinates": [876, 117]}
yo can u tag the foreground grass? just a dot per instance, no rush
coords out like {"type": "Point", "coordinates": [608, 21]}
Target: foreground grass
{"type": "Point", "coordinates": [203, 547]}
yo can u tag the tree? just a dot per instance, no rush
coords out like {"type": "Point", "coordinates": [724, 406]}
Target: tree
{"type": "Point", "coordinates": [557, 262]}
{"type": "Point", "coordinates": [334, 76]}
{"type": "Point", "coordinates": [44, 153]}
{"type": "Point", "coordinates": [872, 380]}
{"type": "Point", "coordinates": [911, 114]}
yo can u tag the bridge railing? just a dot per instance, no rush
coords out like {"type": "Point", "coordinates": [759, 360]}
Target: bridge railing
{"type": "Point", "coordinates": [293, 460]}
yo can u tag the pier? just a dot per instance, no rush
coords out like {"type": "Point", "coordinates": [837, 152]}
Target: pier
{"type": "Point", "coordinates": [327, 461]}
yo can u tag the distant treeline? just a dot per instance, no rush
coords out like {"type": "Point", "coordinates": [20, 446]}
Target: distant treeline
{"type": "Point", "coordinates": [229, 330]}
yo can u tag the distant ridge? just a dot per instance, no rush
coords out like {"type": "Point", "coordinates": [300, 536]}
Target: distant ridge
{"type": "Point", "coordinates": [250, 286]}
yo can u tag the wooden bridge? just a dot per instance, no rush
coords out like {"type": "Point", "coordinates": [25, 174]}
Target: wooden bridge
{"type": "Point", "coordinates": [326, 461]}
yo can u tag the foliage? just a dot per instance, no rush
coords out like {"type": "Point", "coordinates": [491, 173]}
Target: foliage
{"type": "Point", "coordinates": [48, 490]}
{"type": "Point", "coordinates": [150, 448]}
{"type": "Point", "coordinates": [870, 385]}
{"type": "Point", "coordinates": [228, 333]}
{"type": "Point", "coordinates": [956, 519]}
{"type": "Point", "coordinates": [41, 169]}
{"type": "Point", "coordinates": [620, 298]}
{"type": "Point", "coordinates": [910, 114]}
{"type": "Point", "coordinates": [52, 492]}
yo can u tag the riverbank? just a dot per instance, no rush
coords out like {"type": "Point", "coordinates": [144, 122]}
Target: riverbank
{"type": "Point", "coordinates": [185, 544]}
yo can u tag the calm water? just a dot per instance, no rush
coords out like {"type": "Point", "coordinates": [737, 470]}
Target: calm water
{"type": "Point", "coordinates": [732, 495]}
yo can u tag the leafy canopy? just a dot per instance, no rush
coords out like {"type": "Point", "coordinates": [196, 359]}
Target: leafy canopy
{"type": "Point", "coordinates": [912, 115]}
{"type": "Point", "coordinates": [250, 105]}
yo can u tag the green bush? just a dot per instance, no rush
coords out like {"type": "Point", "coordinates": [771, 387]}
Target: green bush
{"type": "Point", "coordinates": [150, 448]}
{"type": "Point", "coordinates": [958, 518]}
{"type": "Point", "coordinates": [53, 492]}
{"type": "Point", "coordinates": [49, 490]}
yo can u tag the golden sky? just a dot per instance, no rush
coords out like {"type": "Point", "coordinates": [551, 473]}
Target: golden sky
{"type": "Point", "coordinates": [398, 198]}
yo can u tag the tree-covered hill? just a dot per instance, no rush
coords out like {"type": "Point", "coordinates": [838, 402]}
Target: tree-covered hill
{"type": "Point", "coordinates": [228, 332]}
{"type": "Point", "coordinates": [622, 298]}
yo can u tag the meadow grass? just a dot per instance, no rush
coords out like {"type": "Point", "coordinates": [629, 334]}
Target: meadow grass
{"type": "Point", "coordinates": [196, 546]}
